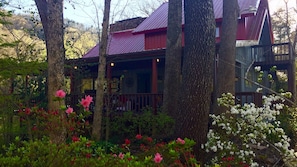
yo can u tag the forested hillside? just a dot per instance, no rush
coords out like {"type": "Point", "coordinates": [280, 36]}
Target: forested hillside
{"type": "Point", "coordinates": [26, 34]}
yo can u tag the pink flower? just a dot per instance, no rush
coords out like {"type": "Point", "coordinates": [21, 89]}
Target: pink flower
{"type": "Point", "coordinates": [85, 102]}
{"type": "Point", "coordinates": [121, 155]}
{"type": "Point", "coordinates": [158, 158]}
{"type": "Point", "coordinates": [60, 93]}
{"type": "Point", "coordinates": [89, 98]}
{"type": "Point", "coordinates": [138, 137]}
{"type": "Point", "coordinates": [180, 141]}
{"type": "Point", "coordinates": [69, 110]}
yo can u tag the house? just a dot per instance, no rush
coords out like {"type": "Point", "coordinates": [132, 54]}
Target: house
{"type": "Point", "coordinates": [136, 56]}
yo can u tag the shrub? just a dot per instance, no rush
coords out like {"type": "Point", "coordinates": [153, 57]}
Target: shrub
{"type": "Point", "coordinates": [127, 124]}
{"type": "Point", "coordinates": [240, 135]}
{"type": "Point", "coordinates": [83, 152]}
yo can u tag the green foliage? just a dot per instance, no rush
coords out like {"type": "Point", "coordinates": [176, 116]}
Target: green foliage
{"type": "Point", "coordinates": [84, 152]}
{"type": "Point", "coordinates": [127, 124]}
{"type": "Point", "coordinates": [288, 121]}
{"type": "Point", "coordinates": [10, 68]}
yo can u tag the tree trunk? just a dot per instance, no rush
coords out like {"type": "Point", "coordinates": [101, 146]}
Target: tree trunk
{"type": "Point", "coordinates": [197, 72]}
{"type": "Point", "coordinates": [173, 58]}
{"type": "Point", "coordinates": [97, 120]}
{"type": "Point", "coordinates": [227, 50]}
{"type": "Point", "coordinates": [51, 14]}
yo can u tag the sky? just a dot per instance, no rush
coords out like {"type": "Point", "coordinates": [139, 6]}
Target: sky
{"type": "Point", "coordinates": [84, 11]}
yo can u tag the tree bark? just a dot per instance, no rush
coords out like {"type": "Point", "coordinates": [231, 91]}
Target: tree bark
{"type": "Point", "coordinates": [51, 14]}
{"type": "Point", "coordinates": [227, 52]}
{"type": "Point", "coordinates": [173, 58]}
{"type": "Point", "coordinates": [197, 72]}
{"type": "Point", "coordinates": [97, 120]}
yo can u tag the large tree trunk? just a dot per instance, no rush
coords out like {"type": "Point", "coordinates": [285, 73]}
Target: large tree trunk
{"type": "Point", "coordinates": [197, 72]}
{"type": "Point", "coordinates": [51, 14]}
{"type": "Point", "coordinates": [227, 53]}
{"type": "Point", "coordinates": [97, 120]}
{"type": "Point", "coordinates": [227, 50]}
{"type": "Point", "coordinates": [173, 58]}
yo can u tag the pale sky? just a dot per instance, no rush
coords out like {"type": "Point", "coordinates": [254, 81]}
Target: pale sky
{"type": "Point", "coordinates": [275, 4]}
{"type": "Point", "coordinates": [84, 11]}
{"type": "Point", "coordinates": [81, 15]}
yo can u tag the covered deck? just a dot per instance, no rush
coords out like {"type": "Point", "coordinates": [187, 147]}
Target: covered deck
{"type": "Point", "coordinates": [141, 101]}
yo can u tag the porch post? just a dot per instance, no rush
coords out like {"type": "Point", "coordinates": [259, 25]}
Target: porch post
{"type": "Point", "coordinates": [75, 89]}
{"type": "Point", "coordinates": [108, 76]}
{"type": "Point", "coordinates": [154, 77]}
{"type": "Point", "coordinates": [154, 85]}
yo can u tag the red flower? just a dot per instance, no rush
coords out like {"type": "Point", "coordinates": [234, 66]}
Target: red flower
{"type": "Point", "coordinates": [75, 138]}
{"type": "Point", "coordinates": [138, 137]}
{"type": "Point", "coordinates": [88, 144]}
{"type": "Point", "coordinates": [149, 139]}
{"type": "Point", "coordinates": [28, 111]}
{"type": "Point", "coordinates": [88, 155]}
{"type": "Point", "coordinates": [127, 141]}
{"type": "Point", "coordinates": [230, 158]}
{"type": "Point", "coordinates": [34, 128]}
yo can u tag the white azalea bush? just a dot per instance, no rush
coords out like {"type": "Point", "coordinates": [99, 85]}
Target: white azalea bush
{"type": "Point", "coordinates": [237, 136]}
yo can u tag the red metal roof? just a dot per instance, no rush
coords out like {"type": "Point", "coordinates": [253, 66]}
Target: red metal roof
{"type": "Point", "coordinates": [131, 41]}
{"type": "Point", "coordinates": [119, 43]}
{"type": "Point", "coordinates": [158, 19]}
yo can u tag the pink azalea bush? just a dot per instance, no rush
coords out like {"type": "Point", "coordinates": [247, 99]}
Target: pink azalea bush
{"type": "Point", "coordinates": [79, 151]}
{"type": "Point", "coordinates": [39, 123]}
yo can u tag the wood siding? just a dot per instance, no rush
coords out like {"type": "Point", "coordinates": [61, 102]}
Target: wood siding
{"type": "Point", "coordinates": [157, 40]}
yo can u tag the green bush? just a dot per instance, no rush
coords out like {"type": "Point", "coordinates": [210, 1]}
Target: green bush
{"type": "Point", "coordinates": [127, 124]}
{"type": "Point", "coordinates": [83, 152]}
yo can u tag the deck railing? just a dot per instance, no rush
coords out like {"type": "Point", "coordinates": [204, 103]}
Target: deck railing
{"type": "Point", "coordinates": [273, 53]}
{"type": "Point", "coordinates": [139, 101]}
{"type": "Point", "coordinates": [249, 97]}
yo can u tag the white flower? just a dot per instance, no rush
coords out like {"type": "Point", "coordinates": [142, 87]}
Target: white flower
{"type": "Point", "coordinates": [258, 68]}
{"type": "Point", "coordinates": [259, 89]}
{"type": "Point", "coordinates": [214, 148]}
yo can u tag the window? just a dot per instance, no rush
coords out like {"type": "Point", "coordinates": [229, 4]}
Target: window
{"type": "Point", "coordinates": [217, 32]}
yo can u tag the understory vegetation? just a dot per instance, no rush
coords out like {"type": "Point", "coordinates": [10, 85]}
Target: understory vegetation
{"type": "Point", "coordinates": [245, 135]}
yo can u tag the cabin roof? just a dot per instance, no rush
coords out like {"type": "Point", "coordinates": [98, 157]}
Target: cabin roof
{"type": "Point", "coordinates": [158, 19]}
{"type": "Point", "coordinates": [133, 40]}
{"type": "Point", "coordinates": [119, 43]}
